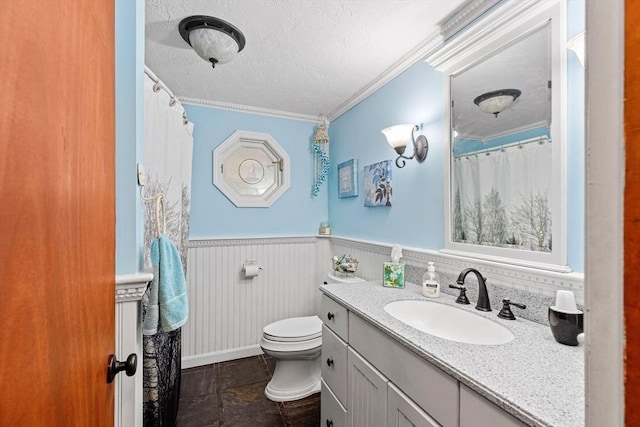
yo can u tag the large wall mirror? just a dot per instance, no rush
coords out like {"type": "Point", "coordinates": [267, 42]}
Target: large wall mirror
{"type": "Point", "coordinates": [506, 183]}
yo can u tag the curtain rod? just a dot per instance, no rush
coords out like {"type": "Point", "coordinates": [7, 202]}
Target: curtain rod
{"type": "Point", "coordinates": [159, 84]}
{"type": "Point", "coordinates": [538, 139]}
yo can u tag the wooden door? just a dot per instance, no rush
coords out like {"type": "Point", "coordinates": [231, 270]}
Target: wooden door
{"type": "Point", "coordinates": [57, 220]}
{"type": "Point", "coordinates": [632, 211]}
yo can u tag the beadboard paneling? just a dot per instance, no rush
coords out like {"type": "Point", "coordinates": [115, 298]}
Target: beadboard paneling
{"type": "Point", "coordinates": [533, 287]}
{"type": "Point", "coordinates": [227, 311]}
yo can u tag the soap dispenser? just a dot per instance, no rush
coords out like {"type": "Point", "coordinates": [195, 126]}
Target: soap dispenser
{"type": "Point", "coordinates": [431, 282]}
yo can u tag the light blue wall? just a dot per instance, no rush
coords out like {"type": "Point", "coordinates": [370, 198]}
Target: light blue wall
{"type": "Point", "coordinates": [213, 215]}
{"type": "Point", "coordinates": [416, 96]}
{"type": "Point", "coordinates": [416, 217]}
{"type": "Point", "coordinates": [575, 142]}
{"type": "Point", "coordinates": [129, 59]}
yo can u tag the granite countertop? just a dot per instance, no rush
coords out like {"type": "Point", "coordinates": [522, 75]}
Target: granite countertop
{"type": "Point", "coordinates": [533, 377]}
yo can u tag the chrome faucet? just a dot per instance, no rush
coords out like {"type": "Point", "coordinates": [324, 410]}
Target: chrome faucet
{"type": "Point", "coordinates": [483, 297]}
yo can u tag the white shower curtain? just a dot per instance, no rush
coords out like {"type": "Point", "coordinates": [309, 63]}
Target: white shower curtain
{"type": "Point", "coordinates": [168, 148]}
{"type": "Point", "coordinates": [503, 197]}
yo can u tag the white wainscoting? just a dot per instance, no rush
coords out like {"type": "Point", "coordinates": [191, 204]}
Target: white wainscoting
{"type": "Point", "coordinates": [539, 282]}
{"type": "Point", "coordinates": [227, 312]}
{"type": "Point", "coordinates": [128, 390]}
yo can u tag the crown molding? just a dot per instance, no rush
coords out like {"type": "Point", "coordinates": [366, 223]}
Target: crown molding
{"type": "Point", "coordinates": [457, 21]}
{"type": "Point", "coordinates": [462, 17]}
{"type": "Point", "coordinates": [251, 241]}
{"type": "Point", "coordinates": [490, 28]}
{"type": "Point", "coordinates": [252, 110]}
{"type": "Point", "coordinates": [131, 287]}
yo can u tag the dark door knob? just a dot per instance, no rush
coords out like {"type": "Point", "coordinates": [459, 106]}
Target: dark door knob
{"type": "Point", "coordinates": [330, 315]}
{"type": "Point", "coordinates": [329, 361]}
{"type": "Point", "coordinates": [114, 366]}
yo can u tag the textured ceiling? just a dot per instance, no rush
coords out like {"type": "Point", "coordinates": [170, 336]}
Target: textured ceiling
{"type": "Point", "coordinates": [304, 57]}
{"type": "Point", "coordinates": [524, 65]}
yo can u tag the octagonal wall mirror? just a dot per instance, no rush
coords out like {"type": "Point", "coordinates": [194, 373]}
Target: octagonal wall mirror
{"type": "Point", "coordinates": [251, 169]}
{"type": "Point", "coordinates": [505, 176]}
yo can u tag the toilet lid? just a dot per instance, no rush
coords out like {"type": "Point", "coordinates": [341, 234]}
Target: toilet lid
{"type": "Point", "coordinates": [294, 329]}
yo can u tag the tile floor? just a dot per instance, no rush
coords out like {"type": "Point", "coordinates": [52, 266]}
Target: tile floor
{"type": "Point", "coordinates": [232, 394]}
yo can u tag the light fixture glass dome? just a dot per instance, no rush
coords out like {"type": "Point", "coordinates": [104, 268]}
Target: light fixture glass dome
{"type": "Point", "coordinates": [210, 44]}
{"type": "Point", "coordinates": [213, 39]}
{"type": "Point", "coordinates": [497, 101]}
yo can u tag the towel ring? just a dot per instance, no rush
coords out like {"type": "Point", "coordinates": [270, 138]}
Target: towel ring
{"type": "Point", "coordinates": [160, 207]}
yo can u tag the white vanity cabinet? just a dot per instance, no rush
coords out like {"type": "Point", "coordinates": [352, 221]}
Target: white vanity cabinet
{"type": "Point", "coordinates": [475, 410]}
{"type": "Point", "coordinates": [404, 412]}
{"type": "Point", "coordinates": [371, 380]}
{"type": "Point", "coordinates": [366, 393]}
{"type": "Point", "coordinates": [334, 364]}
{"type": "Point", "coordinates": [332, 413]}
{"type": "Point", "coordinates": [333, 400]}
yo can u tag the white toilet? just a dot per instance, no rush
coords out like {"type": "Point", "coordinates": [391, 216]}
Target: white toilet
{"type": "Point", "coordinates": [295, 343]}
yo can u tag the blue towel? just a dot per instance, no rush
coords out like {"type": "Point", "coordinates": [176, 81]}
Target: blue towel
{"type": "Point", "coordinates": [171, 287]}
{"type": "Point", "coordinates": [150, 304]}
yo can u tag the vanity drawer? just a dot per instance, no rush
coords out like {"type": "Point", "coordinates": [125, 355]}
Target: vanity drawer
{"type": "Point", "coordinates": [335, 317]}
{"type": "Point", "coordinates": [432, 389]}
{"type": "Point", "coordinates": [333, 364]}
{"type": "Point", "coordinates": [332, 413]}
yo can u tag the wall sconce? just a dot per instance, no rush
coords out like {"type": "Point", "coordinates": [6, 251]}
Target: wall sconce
{"type": "Point", "coordinates": [576, 44]}
{"type": "Point", "coordinates": [398, 138]}
{"type": "Point", "coordinates": [497, 101]}
{"type": "Point", "coordinates": [213, 39]}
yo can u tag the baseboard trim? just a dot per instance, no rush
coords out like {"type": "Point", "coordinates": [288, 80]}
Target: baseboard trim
{"type": "Point", "coordinates": [220, 356]}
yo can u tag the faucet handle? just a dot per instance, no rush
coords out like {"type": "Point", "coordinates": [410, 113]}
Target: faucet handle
{"type": "Point", "coordinates": [506, 313]}
{"type": "Point", "coordinates": [462, 298]}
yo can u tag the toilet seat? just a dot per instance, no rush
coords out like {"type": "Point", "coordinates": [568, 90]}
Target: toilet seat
{"type": "Point", "coordinates": [293, 330]}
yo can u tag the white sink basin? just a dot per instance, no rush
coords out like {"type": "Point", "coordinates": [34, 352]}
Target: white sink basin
{"type": "Point", "coordinates": [449, 322]}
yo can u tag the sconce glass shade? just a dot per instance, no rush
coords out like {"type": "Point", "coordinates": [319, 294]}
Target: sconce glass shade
{"type": "Point", "coordinates": [399, 136]}
{"type": "Point", "coordinates": [497, 101]}
{"type": "Point", "coordinates": [213, 39]}
{"type": "Point", "coordinates": [576, 44]}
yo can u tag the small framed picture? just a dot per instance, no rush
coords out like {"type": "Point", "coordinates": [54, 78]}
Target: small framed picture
{"type": "Point", "coordinates": [377, 184]}
{"type": "Point", "coordinates": [348, 179]}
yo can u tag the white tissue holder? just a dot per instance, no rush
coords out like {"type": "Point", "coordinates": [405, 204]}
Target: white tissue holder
{"type": "Point", "coordinates": [250, 269]}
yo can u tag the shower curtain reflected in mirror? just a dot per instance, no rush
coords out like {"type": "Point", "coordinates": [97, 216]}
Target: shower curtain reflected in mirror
{"type": "Point", "coordinates": [502, 196]}
{"type": "Point", "coordinates": [168, 147]}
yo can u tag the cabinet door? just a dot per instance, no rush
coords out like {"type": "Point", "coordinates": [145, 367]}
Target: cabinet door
{"type": "Point", "coordinates": [366, 393]}
{"type": "Point", "coordinates": [475, 411]}
{"type": "Point", "coordinates": [431, 388]}
{"type": "Point", "coordinates": [403, 412]}
{"type": "Point", "coordinates": [332, 413]}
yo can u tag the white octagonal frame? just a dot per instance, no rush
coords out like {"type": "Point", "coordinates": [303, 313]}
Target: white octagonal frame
{"type": "Point", "coordinates": [251, 169]}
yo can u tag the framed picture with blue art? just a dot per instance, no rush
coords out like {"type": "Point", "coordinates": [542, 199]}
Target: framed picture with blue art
{"type": "Point", "coordinates": [377, 184]}
{"type": "Point", "coordinates": [348, 179]}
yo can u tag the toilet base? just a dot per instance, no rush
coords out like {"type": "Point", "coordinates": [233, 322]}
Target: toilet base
{"type": "Point", "coordinates": [293, 380]}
